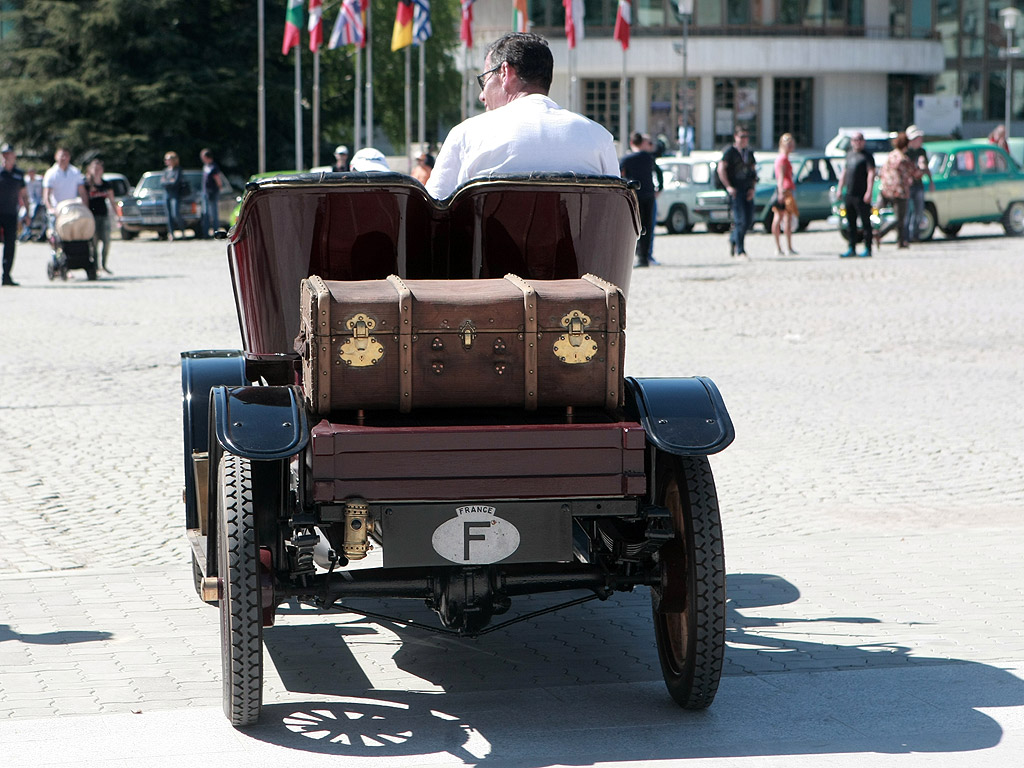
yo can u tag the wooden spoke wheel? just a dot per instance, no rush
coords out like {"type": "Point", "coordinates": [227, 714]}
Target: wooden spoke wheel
{"type": "Point", "coordinates": [241, 632]}
{"type": "Point", "coordinates": [689, 605]}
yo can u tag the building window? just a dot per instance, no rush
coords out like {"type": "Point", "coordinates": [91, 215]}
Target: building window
{"type": "Point", "coordinates": [666, 108]}
{"type": "Point", "coordinates": [737, 102]}
{"type": "Point", "coordinates": [601, 102]}
{"type": "Point", "coordinates": [793, 108]}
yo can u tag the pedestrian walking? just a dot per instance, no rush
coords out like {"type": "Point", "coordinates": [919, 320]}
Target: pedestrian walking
{"type": "Point", "coordinates": [915, 203]}
{"type": "Point", "coordinates": [213, 183]}
{"type": "Point", "coordinates": [897, 177]}
{"type": "Point", "coordinates": [639, 166]}
{"type": "Point", "coordinates": [738, 174]}
{"type": "Point", "coordinates": [62, 181]}
{"type": "Point", "coordinates": [175, 187]}
{"type": "Point", "coordinates": [99, 193]}
{"type": "Point", "coordinates": [13, 197]}
{"type": "Point", "coordinates": [857, 181]}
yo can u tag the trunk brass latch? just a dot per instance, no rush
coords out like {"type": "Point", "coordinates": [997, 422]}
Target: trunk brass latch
{"type": "Point", "coordinates": [575, 347]}
{"type": "Point", "coordinates": [467, 331]}
{"type": "Point", "coordinates": [362, 349]}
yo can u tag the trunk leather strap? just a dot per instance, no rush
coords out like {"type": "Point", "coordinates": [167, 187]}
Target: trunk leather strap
{"type": "Point", "coordinates": [530, 390]}
{"type": "Point", "coordinates": [613, 376]}
{"type": "Point", "coordinates": [404, 343]}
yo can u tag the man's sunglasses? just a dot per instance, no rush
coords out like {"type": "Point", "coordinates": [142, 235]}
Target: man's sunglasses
{"type": "Point", "coordinates": [481, 79]}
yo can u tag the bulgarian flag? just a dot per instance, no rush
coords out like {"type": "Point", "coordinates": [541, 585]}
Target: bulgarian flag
{"type": "Point", "coordinates": [518, 15]}
{"type": "Point", "coordinates": [315, 25]}
{"type": "Point", "coordinates": [292, 24]}
{"type": "Point", "coordinates": [466, 30]}
{"type": "Point", "coordinates": [574, 13]}
{"type": "Point", "coordinates": [401, 35]}
{"type": "Point", "coordinates": [622, 21]}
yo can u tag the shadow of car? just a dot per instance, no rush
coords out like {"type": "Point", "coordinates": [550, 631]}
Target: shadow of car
{"type": "Point", "coordinates": [974, 182]}
{"type": "Point", "coordinates": [145, 209]}
{"type": "Point", "coordinates": [685, 179]}
{"type": "Point", "coordinates": [814, 175]}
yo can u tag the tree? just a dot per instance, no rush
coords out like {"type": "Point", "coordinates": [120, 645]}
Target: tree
{"type": "Point", "coordinates": [130, 80]}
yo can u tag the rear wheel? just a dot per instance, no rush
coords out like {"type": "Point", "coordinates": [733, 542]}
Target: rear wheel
{"type": "Point", "coordinates": [127, 234]}
{"type": "Point", "coordinates": [241, 632]}
{"type": "Point", "coordinates": [689, 604]}
{"type": "Point", "coordinates": [1013, 219]}
{"type": "Point", "coordinates": [718, 229]}
{"type": "Point", "coordinates": [678, 220]}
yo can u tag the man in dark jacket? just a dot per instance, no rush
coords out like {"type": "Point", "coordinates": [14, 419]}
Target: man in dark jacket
{"type": "Point", "coordinates": [13, 196]}
{"type": "Point", "coordinates": [640, 166]}
{"type": "Point", "coordinates": [737, 172]}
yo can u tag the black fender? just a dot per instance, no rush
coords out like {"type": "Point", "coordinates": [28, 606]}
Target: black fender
{"type": "Point", "coordinates": [201, 371]}
{"type": "Point", "coordinates": [260, 423]}
{"type": "Point", "coordinates": [682, 416]}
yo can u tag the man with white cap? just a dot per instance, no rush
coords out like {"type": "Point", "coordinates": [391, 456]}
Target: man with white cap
{"type": "Point", "coordinates": [369, 159]}
{"type": "Point", "coordinates": [340, 159]}
{"type": "Point", "coordinates": [915, 204]}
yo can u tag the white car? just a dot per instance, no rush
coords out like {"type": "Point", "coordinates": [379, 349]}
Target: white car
{"type": "Point", "coordinates": [877, 141]}
{"type": "Point", "coordinates": [685, 178]}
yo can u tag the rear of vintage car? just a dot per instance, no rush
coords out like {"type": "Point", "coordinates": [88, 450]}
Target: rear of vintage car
{"type": "Point", "coordinates": [463, 506]}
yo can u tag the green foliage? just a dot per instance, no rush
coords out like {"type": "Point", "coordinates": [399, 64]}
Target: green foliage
{"type": "Point", "coordinates": [130, 80]}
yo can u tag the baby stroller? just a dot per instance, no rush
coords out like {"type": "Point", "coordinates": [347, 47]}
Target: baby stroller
{"type": "Point", "coordinates": [74, 227]}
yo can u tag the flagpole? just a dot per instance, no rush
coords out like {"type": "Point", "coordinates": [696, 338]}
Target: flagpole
{"type": "Point", "coordinates": [261, 91]}
{"type": "Point", "coordinates": [369, 76]}
{"type": "Point", "coordinates": [623, 135]}
{"type": "Point", "coordinates": [298, 108]}
{"type": "Point", "coordinates": [421, 129]}
{"type": "Point", "coordinates": [408, 105]}
{"type": "Point", "coordinates": [359, 101]}
{"type": "Point", "coordinates": [464, 108]}
{"type": "Point", "coordinates": [316, 107]}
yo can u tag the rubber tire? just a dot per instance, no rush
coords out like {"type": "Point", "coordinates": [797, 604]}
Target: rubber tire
{"type": "Point", "coordinates": [926, 231]}
{"type": "Point", "coordinates": [718, 229]}
{"type": "Point", "coordinates": [678, 220]}
{"type": "Point", "coordinates": [241, 631]}
{"type": "Point", "coordinates": [951, 231]}
{"type": "Point", "coordinates": [126, 235]}
{"type": "Point", "coordinates": [1013, 219]}
{"type": "Point", "coordinates": [691, 644]}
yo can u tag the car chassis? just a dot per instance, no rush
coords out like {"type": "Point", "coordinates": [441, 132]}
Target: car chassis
{"type": "Point", "coordinates": [278, 507]}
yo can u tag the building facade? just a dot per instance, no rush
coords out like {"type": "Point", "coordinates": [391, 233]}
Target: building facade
{"type": "Point", "coordinates": [807, 67]}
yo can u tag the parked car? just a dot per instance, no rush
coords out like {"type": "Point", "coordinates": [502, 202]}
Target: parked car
{"type": "Point", "coordinates": [685, 179]}
{"type": "Point", "coordinates": [814, 174]}
{"type": "Point", "coordinates": [145, 211]}
{"type": "Point", "coordinates": [877, 141]}
{"type": "Point", "coordinates": [975, 181]}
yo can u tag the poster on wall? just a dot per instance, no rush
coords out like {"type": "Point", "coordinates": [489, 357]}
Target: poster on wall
{"type": "Point", "coordinates": [746, 104]}
{"type": "Point", "coordinates": [724, 121]}
{"type": "Point", "coordinates": [938, 115]}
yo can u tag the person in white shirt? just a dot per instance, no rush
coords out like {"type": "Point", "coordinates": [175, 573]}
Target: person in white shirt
{"type": "Point", "coordinates": [62, 181]}
{"type": "Point", "coordinates": [522, 131]}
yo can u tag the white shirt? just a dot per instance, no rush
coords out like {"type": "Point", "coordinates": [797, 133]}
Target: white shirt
{"type": "Point", "coordinates": [531, 134]}
{"type": "Point", "coordinates": [63, 183]}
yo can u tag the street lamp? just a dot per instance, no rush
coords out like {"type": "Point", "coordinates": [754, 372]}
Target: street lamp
{"type": "Point", "coordinates": [686, 11]}
{"type": "Point", "coordinates": [1011, 17]}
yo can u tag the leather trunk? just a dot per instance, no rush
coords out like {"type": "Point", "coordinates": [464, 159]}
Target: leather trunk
{"type": "Point", "coordinates": [401, 345]}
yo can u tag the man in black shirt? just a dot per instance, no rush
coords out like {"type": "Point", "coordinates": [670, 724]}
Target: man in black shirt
{"type": "Point", "coordinates": [737, 172]}
{"type": "Point", "coordinates": [13, 195]}
{"type": "Point", "coordinates": [858, 177]}
{"type": "Point", "coordinates": [640, 166]}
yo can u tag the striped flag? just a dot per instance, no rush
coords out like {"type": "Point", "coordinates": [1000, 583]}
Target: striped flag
{"type": "Point", "coordinates": [466, 31]}
{"type": "Point", "coordinates": [574, 13]}
{"type": "Point", "coordinates": [519, 15]}
{"type": "Point", "coordinates": [401, 35]}
{"type": "Point", "coordinates": [292, 24]}
{"type": "Point", "coordinates": [622, 21]}
{"type": "Point", "coordinates": [315, 25]}
{"type": "Point", "coordinates": [421, 28]}
{"type": "Point", "coordinates": [348, 29]}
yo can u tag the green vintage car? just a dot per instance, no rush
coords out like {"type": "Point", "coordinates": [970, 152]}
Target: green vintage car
{"type": "Point", "coordinates": [975, 181]}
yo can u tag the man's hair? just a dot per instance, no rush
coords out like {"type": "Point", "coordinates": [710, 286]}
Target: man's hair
{"type": "Point", "coordinates": [740, 128]}
{"type": "Point", "coordinates": [527, 54]}
{"type": "Point", "coordinates": [636, 139]}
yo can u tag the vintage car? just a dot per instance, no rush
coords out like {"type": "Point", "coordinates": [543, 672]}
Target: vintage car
{"type": "Point", "coordinates": [359, 299]}
{"type": "Point", "coordinates": [974, 182]}
{"type": "Point", "coordinates": [144, 209]}
{"type": "Point", "coordinates": [814, 175]}
{"type": "Point", "coordinates": [685, 179]}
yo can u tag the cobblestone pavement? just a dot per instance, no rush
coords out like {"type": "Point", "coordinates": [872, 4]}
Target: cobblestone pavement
{"type": "Point", "coordinates": [872, 506]}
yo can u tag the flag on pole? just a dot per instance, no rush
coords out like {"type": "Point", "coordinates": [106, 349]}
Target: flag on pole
{"type": "Point", "coordinates": [623, 18]}
{"type": "Point", "coordinates": [348, 29]}
{"type": "Point", "coordinates": [292, 23]}
{"type": "Point", "coordinates": [315, 25]}
{"type": "Point", "coordinates": [401, 35]}
{"type": "Point", "coordinates": [518, 15]}
{"type": "Point", "coordinates": [466, 31]}
{"type": "Point", "coordinates": [421, 28]}
{"type": "Point", "coordinates": [574, 13]}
